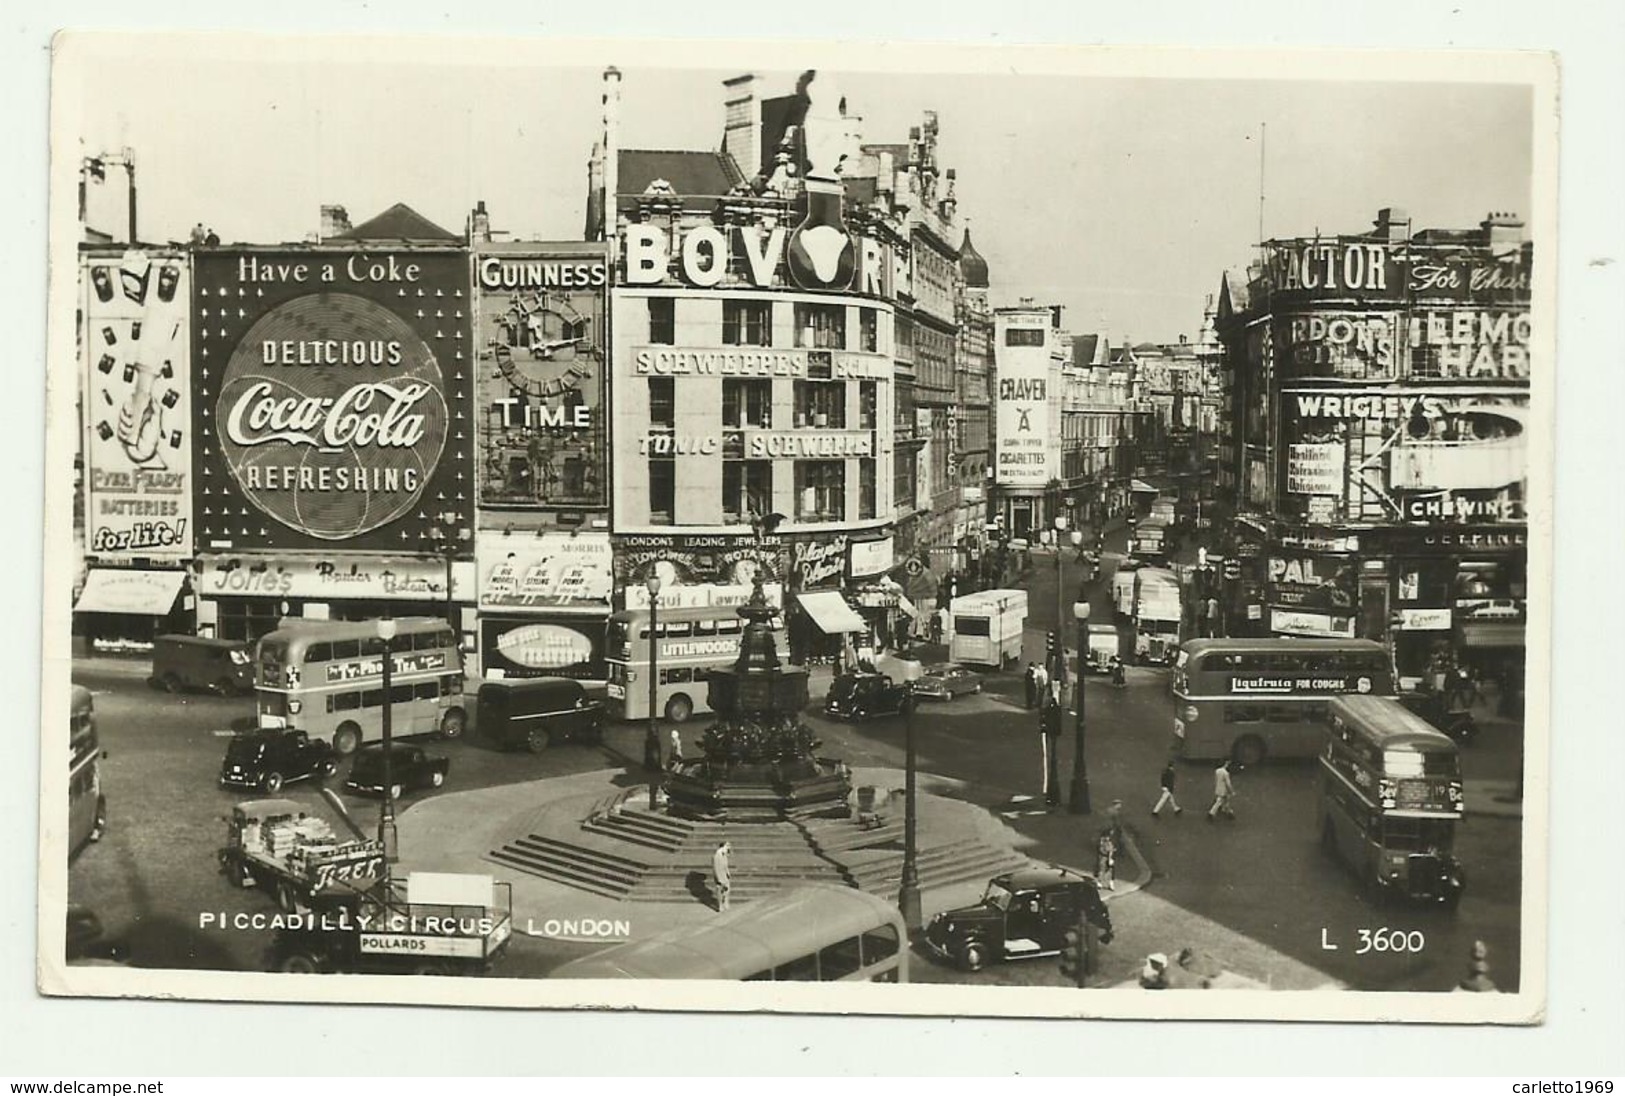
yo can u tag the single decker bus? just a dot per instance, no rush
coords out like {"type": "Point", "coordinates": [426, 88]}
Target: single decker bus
{"type": "Point", "coordinates": [1247, 699]}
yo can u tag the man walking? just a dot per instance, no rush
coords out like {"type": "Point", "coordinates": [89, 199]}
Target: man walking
{"type": "Point", "coordinates": [1223, 789]}
{"type": "Point", "coordinates": [1166, 799]}
{"type": "Point", "coordinates": [722, 874]}
{"type": "Point", "coordinates": [1041, 684]}
{"type": "Point", "coordinates": [1031, 681]}
{"type": "Point", "coordinates": [676, 749]}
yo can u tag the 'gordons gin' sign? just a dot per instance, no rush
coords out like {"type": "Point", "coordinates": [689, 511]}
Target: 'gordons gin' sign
{"type": "Point", "coordinates": [331, 386]}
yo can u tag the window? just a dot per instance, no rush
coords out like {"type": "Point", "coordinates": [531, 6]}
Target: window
{"type": "Point", "coordinates": [866, 488]}
{"type": "Point", "coordinates": [681, 676]}
{"type": "Point", "coordinates": [319, 652]}
{"type": "Point", "coordinates": [820, 490]}
{"type": "Point", "coordinates": [867, 404]}
{"type": "Point", "coordinates": [1024, 336]}
{"type": "Point", "coordinates": [868, 329]}
{"type": "Point", "coordinates": [821, 404]}
{"type": "Point", "coordinates": [971, 626]}
{"type": "Point", "coordinates": [663, 320]}
{"type": "Point", "coordinates": [879, 943]}
{"type": "Point", "coordinates": [1244, 713]}
{"type": "Point", "coordinates": [747, 488]}
{"type": "Point", "coordinates": [804, 969]}
{"type": "Point", "coordinates": [747, 404]}
{"type": "Point", "coordinates": [346, 648]}
{"type": "Point", "coordinates": [747, 323]}
{"type": "Point", "coordinates": [662, 491]}
{"type": "Point", "coordinates": [372, 698]}
{"type": "Point", "coordinates": [840, 960]}
{"type": "Point", "coordinates": [662, 403]}
{"type": "Point", "coordinates": [343, 702]}
{"type": "Point", "coordinates": [821, 326]}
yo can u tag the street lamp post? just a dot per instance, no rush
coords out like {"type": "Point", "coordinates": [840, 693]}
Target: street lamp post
{"type": "Point", "coordinates": [908, 892]}
{"type": "Point", "coordinates": [1080, 766]}
{"type": "Point", "coordinates": [446, 534]}
{"type": "Point", "coordinates": [386, 815]}
{"type": "Point", "coordinates": [651, 736]}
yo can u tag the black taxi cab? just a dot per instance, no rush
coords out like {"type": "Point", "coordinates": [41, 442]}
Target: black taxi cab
{"type": "Point", "coordinates": [1022, 914]}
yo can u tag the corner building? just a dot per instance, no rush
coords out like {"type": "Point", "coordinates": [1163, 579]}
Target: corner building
{"type": "Point", "coordinates": [751, 373]}
{"type": "Point", "coordinates": [1378, 403]}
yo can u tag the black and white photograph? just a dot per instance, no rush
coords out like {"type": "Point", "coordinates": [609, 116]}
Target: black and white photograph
{"type": "Point", "coordinates": [1010, 530]}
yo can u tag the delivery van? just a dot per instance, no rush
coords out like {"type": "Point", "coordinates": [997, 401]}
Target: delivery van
{"type": "Point", "coordinates": [221, 666]}
{"type": "Point", "coordinates": [987, 627]}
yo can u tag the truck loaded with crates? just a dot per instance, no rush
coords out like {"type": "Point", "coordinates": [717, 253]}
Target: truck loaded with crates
{"type": "Point", "coordinates": [433, 923]}
{"type": "Point", "coordinates": [274, 844]}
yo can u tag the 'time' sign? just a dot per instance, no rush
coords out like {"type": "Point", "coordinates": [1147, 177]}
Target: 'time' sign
{"type": "Point", "coordinates": [331, 386]}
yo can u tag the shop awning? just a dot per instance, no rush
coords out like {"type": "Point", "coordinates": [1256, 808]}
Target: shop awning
{"type": "Point", "coordinates": [1140, 487]}
{"type": "Point", "coordinates": [120, 590]}
{"type": "Point", "coordinates": [831, 613]}
{"type": "Point", "coordinates": [1499, 634]}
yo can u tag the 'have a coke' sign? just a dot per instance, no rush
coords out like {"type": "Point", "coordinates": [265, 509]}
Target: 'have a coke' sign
{"type": "Point", "coordinates": [330, 388]}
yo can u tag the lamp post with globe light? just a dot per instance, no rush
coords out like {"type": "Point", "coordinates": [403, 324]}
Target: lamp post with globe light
{"type": "Point", "coordinates": [651, 736]}
{"type": "Point", "coordinates": [1080, 765]}
{"type": "Point", "coordinates": [446, 535]}
{"type": "Point", "coordinates": [386, 629]}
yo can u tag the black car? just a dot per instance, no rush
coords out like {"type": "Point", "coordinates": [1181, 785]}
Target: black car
{"type": "Point", "coordinates": [537, 712]}
{"type": "Point", "coordinates": [1023, 914]}
{"type": "Point", "coordinates": [410, 769]}
{"type": "Point", "coordinates": [862, 695]}
{"type": "Point", "coordinates": [269, 759]}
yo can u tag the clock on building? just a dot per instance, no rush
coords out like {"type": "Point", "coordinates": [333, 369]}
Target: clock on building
{"type": "Point", "coordinates": [549, 336]}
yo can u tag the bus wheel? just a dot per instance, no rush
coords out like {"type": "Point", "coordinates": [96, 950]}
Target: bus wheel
{"type": "Point", "coordinates": [346, 738]}
{"type": "Point", "coordinates": [300, 962]}
{"type": "Point", "coordinates": [1248, 750]}
{"type": "Point", "coordinates": [537, 740]}
{"type": "Point", "coordinates": [679, 708]}
{"type": "Point", "coordinates": [453, 723]}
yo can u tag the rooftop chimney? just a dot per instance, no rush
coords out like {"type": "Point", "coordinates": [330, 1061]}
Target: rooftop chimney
{"type": "Point", "coordinates": [1393, 224]}
{"type": "Point", "coordinates": [1503, 232]}
{"type": "Point", "coordinates": [742, 123]}
{"type": "Point", "coordinates": [335, 221]}
{"type": "Point", "coordinates": [480, 224]}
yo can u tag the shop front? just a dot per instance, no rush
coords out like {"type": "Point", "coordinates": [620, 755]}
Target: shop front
{"type": "Point", "coordinates": [545, 601]}
{"type": "Point", "coordinates": [1311, 584]}
{"type": "Point", "coordinates": [817, 617]}
{"type": "Point", "coordinates": [696, 571]}
{"type": "Point", "coordinates": [120, 610]}
{"type": "Point", "coordinates": [243, 596]}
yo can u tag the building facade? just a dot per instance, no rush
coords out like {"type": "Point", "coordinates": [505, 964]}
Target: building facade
{"type": "Point", "coordinates": [1379, 399]}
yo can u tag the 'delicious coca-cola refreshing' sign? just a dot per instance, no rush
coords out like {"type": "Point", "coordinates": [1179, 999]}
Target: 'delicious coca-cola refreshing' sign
{"type": "Point", "coordinates": [331, 387]}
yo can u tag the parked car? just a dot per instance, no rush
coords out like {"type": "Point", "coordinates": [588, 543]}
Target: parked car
{"type": "Point", "coordinates": [863, 695]}
{"type": "Point", "coordinates": [1022, 914]}
{"type": "Point", "coordinates": [221, 666]}
{"type": "Point", "coordinates": [536, 712]}
{"type": "Point", "coordinates": [410, 769]}
{"type": "Point", "coordinates": [945, 681]}
{"type": "Point", "coordinates": [269, 759]}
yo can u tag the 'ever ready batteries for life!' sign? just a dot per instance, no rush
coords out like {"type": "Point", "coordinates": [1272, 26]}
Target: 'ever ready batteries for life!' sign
{"type": "Point", "coordinates": [332, 387]}
{"type": "Point", "coordinates": [137, 410]}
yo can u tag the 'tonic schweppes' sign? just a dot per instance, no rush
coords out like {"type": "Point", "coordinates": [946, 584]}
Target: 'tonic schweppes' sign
{"type": "Point", "coordinates": [330, 392]}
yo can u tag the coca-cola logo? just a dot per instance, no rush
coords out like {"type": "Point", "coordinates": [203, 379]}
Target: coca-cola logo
{"type": "Point", "coordinates": [332, 415]}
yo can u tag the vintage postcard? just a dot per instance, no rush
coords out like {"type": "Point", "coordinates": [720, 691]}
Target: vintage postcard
{"type": "Point", "coordinates": [1006, 531]}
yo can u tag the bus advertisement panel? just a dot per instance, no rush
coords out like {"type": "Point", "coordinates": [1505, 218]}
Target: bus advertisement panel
{"type": "Point", "coordinates": [1247, 699]}
{"type": "Point", "coordinates": [326, 678]}
{"type": "Point", "coordinates": [87, 806]}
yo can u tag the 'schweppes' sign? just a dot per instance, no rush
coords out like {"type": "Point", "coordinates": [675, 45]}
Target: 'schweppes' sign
{"type": "Point", "coordinates": [137, 406]}
{"type": "Point", "coordinates": [331, 387]}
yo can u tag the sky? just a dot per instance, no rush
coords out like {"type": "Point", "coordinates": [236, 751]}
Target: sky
{"type": "Point", "coordinates": [1122, 198]}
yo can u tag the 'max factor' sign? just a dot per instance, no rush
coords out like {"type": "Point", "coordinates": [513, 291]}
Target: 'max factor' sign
{"type": "Point", "coordinates": [331, 388]}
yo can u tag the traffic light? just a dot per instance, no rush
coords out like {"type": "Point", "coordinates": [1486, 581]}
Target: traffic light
{"type": "Point", "coordinates": [1072, 956]}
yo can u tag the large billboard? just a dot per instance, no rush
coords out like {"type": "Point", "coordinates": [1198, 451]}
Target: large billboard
{"type": "Point", "coordinates": [137, 406]}
{"type": "Point", "coordinates": [540, 353]}
{"type": "Point", "coordinates": [1021, 401]}
{"type": "Point", "coordinates": [332, 390]}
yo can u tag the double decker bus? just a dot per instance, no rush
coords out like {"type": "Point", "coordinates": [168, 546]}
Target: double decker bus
{"type": "Point", "coordinates": [1390, 796]}
{"type": "Point", "coordinates": [687, 643]}
{"type": "Point", "coordinates": [814, 933]}
{"type": "Point", "coordinates": [1247, 699]}
{"type": "Point", "coordinates": [87, 806]}
{"type": "Point", "coordinates": [326, 678]}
